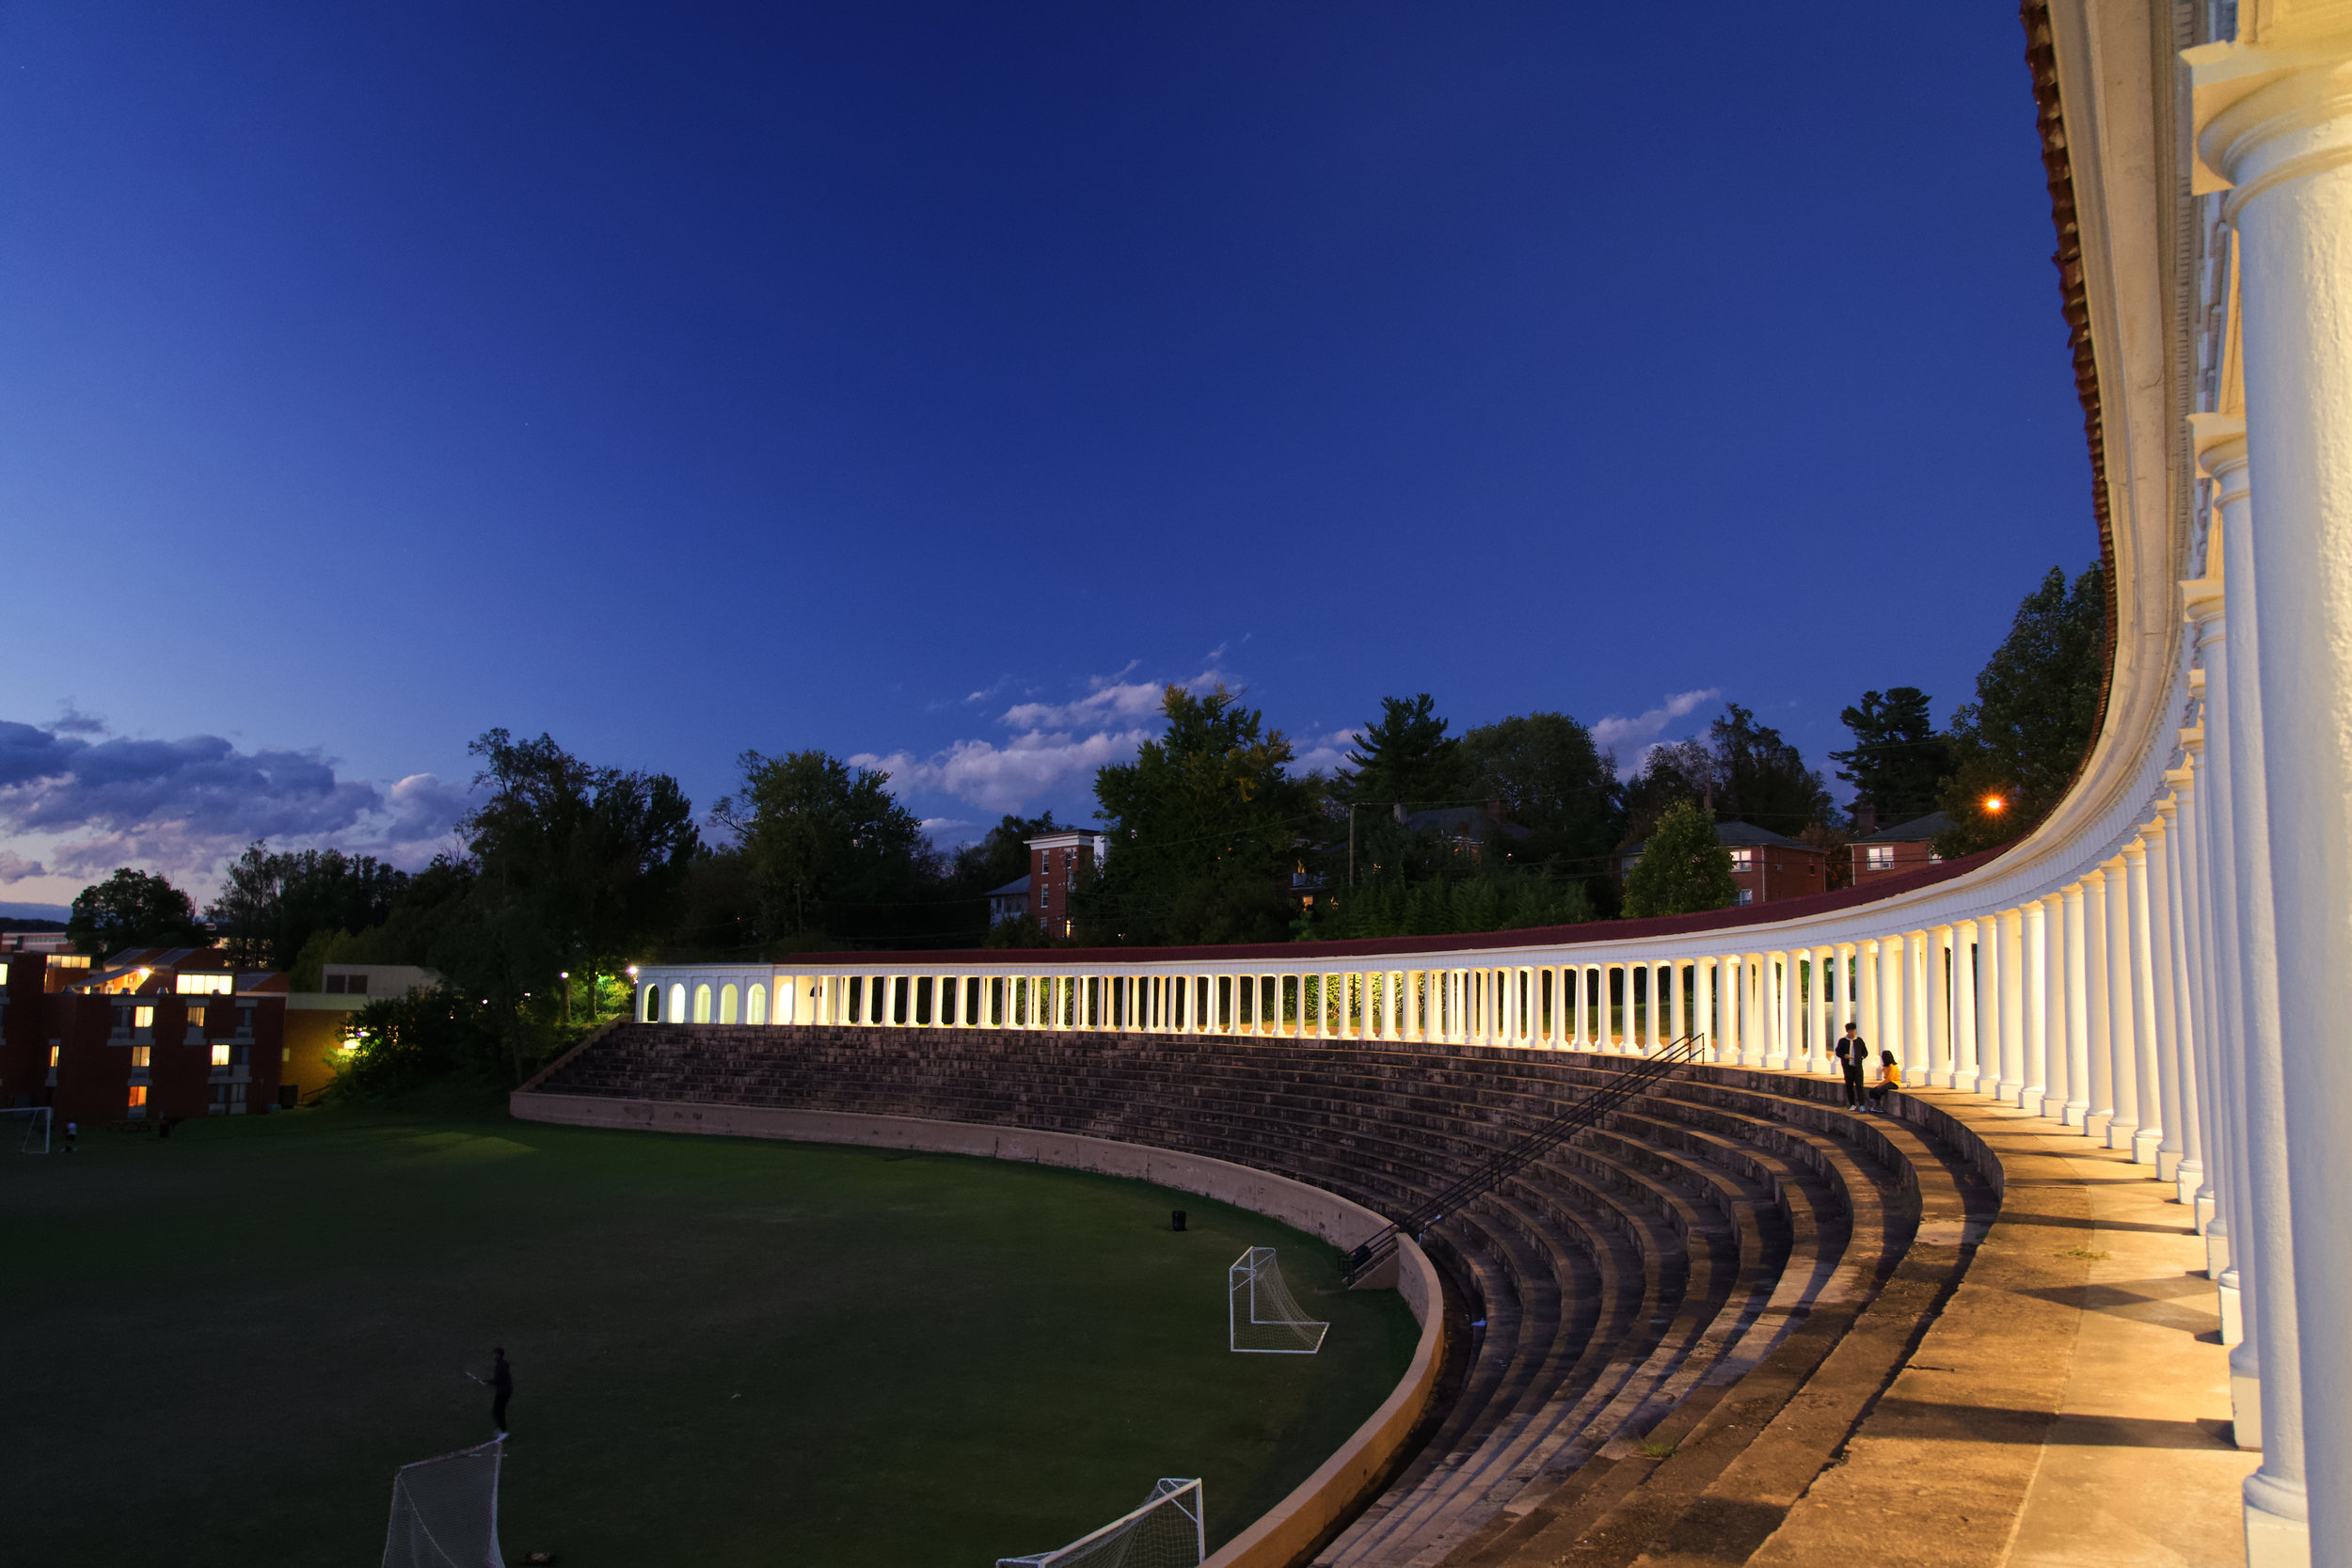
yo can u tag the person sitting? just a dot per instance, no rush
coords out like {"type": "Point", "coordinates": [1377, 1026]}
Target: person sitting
{"type": "Point", "coordinates": [1890, 1078]}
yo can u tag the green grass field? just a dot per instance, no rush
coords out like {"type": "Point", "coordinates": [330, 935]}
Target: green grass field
{"type": "Point", "coordinates": [726, 1352]}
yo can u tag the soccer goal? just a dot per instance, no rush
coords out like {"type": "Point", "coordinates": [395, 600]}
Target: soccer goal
{"type": "Point", "coordinates": [1260, 1316]}
{"type": "Point", "coordinates": [25, 1129]}
{"type": "Point", "coordinates": [445, 1510]}
{"type": "Point", "coordinates": [1169, 1530]}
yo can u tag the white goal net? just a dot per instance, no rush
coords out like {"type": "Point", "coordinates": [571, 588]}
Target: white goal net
{"type": "Point", "coordinates": [25, 1129]}
{"type": "Point", "coordinates": [1260, 1316]}
{"type": "Point", "coordinates": [445, 1510]}
{"type": "Point", "coordinates": [1169, 1530]}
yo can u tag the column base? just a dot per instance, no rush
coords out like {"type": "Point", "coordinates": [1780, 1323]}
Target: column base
{"type": "Point", "coordinates": [2119, 1134]}
{"type": "Point", "coordinates": [2168, 1169]}
{"type": "Point", "coordinates": [2208, 1206]}
{"type": "Point", "coordinates": [2147, 1149]}
{"type": "Point", "coordinates": [1941, 1078]}
{"type": "Point", "coordinates": [2278, 1525]}
{"type": "Point", "coordinates": [2187, 1176]}
{"type": "Point", "coordinates": [2073, 1114]}
{"type": "Point", "coordinates": [2216, 1250]}
{"type": "Point", "coordinates": [2246, 1410]}
{"type": "Point", "coordinates": [2232, 1321]}
{"type": "Point", "coordinates": [1991, 1087]}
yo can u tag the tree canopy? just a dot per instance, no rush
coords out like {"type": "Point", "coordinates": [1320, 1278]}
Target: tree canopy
{"type": "Point", "coordinates": [1897, 763]}
{"type": "Point", "coordinates": [1404, 758]}
{"type": "Point", "coordinates": [132, 909]}
{"type": "Point", "coordinates": [1743, 772]}
{"type": "Point", "coordinates": [1682, 869]}
{"type": "Point", "coordinates": [272, 904]}
{"type": "Point", "coordinates": [1549, 777]}
{"type": "Point", "coordinates": [832, 858]}
{"type": "Point", "coordinates": [2028, 731]}
{"type": "Point", "coordinates": [1203, 828]}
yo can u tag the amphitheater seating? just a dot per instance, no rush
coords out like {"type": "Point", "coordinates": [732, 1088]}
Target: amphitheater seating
{"type": "Point", "coordinates": [1667, 1326]}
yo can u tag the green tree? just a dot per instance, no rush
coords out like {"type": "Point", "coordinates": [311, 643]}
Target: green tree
{"type": "Point", "coordinates": [1505, 899]}
{"type": "Point", "coordinates": [1899, 762]}
{"type": "Point", "coordinates": [833, 859]}
{"type": "Point", "coordinates": [1405, 756]}
{"type": "Point", "coordinates": [1682, 869]}
{"type": "Point", "coordinates": [132, 909]}
{"type": "Point", "coordinates": [1549, 777]}
{"type": "Point", "coordinates": [1764, 778]}
{"type": "Point", "coordinates": [272, 904]}
{"type": "Point", "coordinates": [1203, 828]}
{"type": "Point", "coordinates": [576, 867]}
{"type": "Point", "coordinates": [2036, 699]}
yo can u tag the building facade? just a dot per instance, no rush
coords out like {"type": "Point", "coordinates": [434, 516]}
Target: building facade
{"type": "Point", "coordinates": [151, 1034]}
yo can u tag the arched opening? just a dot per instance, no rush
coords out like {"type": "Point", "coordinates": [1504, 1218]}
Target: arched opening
{"type": "Point", "coordinates": [702, 1003]}
{"type": "Point", "coordinates": [727, 1002]}
{"type": "Point", "coordinates": [653, 1004]}
{"type": "Point", "coordinates": [677, 1004]}
{"type": "Point", "coordinates": [755, 1006]}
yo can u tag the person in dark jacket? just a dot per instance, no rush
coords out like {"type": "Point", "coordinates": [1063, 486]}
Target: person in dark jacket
{"type": "Point", "coordinates": [1853, 1055]}
{"type": "Point", "coordinates": [501, 1388]}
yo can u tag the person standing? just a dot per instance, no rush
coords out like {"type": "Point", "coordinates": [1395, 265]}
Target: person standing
{"type": "Point", "coordinates": [73, 1130]}
{"type": "Point", "coordinates": [501, 1388]}
{"type": "Point", "coordinates": [1853, 1051]}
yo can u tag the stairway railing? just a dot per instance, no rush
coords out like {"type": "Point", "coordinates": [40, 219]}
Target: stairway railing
{"type": "Point", "coordinates": [1508, 1162]}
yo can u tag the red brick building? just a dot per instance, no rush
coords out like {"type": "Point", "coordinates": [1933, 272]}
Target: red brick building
{"type": "Point", "coordinates": [1764, 865]}
{"type": "Point", "coordinates": [153, 1033]}
{"type": "Point", "coordinates": [1060, 864]}
{"type": "Point", "coordinates": [1904, 846]}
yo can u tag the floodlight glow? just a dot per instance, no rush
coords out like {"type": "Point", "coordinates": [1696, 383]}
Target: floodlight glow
{"type": "Point", "coordinates": [1994, 804]}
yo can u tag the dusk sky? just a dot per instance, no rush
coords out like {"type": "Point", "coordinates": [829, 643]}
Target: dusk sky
{"type": "Point", "coordinates": [930, 384]}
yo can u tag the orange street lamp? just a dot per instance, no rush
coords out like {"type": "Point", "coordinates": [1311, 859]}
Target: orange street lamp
{"type": "Point", "coordinates": [1994, 804]}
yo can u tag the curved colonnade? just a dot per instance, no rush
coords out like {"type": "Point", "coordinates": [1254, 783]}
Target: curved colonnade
{"type": "Point", "coordinates": [2161, 966]}
{"type": "Point", "coordinates": [1677, 1275]}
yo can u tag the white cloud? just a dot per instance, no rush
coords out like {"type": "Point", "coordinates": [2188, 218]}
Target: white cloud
{"type": "Point", "coordinates": [1051, 744]}
{"type": "Point", "coordinates": [186, 805]}
{"type": "Point", "coordinates": [1328, 754]}
{"type": "Point", "coordinates": [1616, 730]}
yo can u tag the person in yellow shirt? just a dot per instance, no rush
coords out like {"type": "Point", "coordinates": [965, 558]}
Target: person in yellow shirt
{"type": "Point", "coordinates": [1890, 1078]}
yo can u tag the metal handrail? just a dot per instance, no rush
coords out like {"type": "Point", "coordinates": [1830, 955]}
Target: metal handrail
{"type": "Point", "coordinates": [1506, 1163]}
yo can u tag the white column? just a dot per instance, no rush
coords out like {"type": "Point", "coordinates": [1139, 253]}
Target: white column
{"type": "Point", "coordinates": [2095, 983]}
{"type": "Point", "coordinates": [1966, 1063]}
{"type": "Point", "coordinates": [2192, 981]}
{"type": "Point", "coordinates": [2078, 993]}
{"type": "Point", "coordinates": [2276, 122]}
{"type": "Point", "coordinates": [1894, 998]}
{"type": "Point", "coordinates": [2122, 1027]}
{"type": "Point", "coordinates": [2160, 1061]}
{"type": "Point", "coordinates": [1943, 1059]}
{"type": "Point", "coordinates": [2147, 1109]}
{"type": "Point", "coordinates": [2025, 946]}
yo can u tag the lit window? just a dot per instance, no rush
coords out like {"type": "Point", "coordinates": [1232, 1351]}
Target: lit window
{"type": "Point", "coordinates": [143, 1018]}
{"type": "Point", "coordinates": [1743, 860]}
{"type": "Point", "coordinates": [139, 1056]}
{"type": "Point", "coordinates": [4, 975]}
{"type": "Point", "coordinates": [1747, 896]}
{"type": "Point", "coordinates": [196, 1015]}
{"type": "Point", "coordinates": [53, 1056]}
{"type": "Point", "coordinates": [702, 1003]}
{"type": "Point", "coordinates": [139, 1096]}
{"type": "Point", "coordinates": [727, 1004]}
{"type": "Point", "coordinates": [1881, 856]}
{"type": "Point", "coordinates": [220, 1055]}
{"type": "Point", "coordinates": [755, 1006]}
{"type": "Point", "coordinates": [205, 984]}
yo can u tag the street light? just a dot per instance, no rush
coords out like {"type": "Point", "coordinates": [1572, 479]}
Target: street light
{"type": "Point", "coordinates": [1994, 804]}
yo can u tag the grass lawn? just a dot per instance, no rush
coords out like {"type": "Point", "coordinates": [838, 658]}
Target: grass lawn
{"type": "Point", "coordinates": [726, 1352]}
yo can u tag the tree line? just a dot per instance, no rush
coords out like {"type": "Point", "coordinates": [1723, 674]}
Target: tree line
{"type": "Point", "coordinates": [568, 871]}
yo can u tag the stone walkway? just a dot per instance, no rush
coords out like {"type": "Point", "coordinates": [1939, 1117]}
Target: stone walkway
{"type": "Point", "coordinates": [2070, 1406]}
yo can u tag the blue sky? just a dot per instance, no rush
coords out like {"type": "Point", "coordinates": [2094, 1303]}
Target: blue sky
{"type": "Point", "coordinates": [930, 383]}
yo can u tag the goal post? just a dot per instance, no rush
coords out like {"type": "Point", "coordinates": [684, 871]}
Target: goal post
{"type": "Point", "coordinates": [445, 1510]}
{"type": "Point", "coordinates": [1169, 1530]}
{"type": "Point", "coordinates": [1260, 1316]}
{"type": "Point", "coordinates": [25, 1129]}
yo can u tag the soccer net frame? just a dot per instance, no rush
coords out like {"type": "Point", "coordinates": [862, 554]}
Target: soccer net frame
{"type": "Point", "coordinates": [37, 1125]}
{"type": "Point", "coordinates": [1261, 1317]}
{"type": "Point", "coordinates": [1169, 1530]}
{"type": "Point", "coordinates": [445, 1510]}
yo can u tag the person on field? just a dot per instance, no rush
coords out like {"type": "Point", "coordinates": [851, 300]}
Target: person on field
{"type": "Point", "coordinates": [1853, 1053]}
{"type": "Point", "coordinates": [73, 1130]}
{"type": "Point", "coordinates": [501, 1388]}
{"type": "Point", "coordinates": [1890, 1079]}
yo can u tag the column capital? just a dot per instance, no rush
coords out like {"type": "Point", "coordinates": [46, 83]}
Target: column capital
{"type": "Point", "coordinates": [2202, 601]}
{"type": "Point", "coordinates": [2218, 441]}
{"type": "Point", "coordinates": [2262, 109]}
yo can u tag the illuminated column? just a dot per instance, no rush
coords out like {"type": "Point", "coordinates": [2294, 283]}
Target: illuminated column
{"type": "Point", "coordinates": [2123, 1022]}
{"type": "Point", "coordinates": [2078, 901]}
{"type": "Point", "coordinates": [2099, 1042]}
{"type": "Point", "coordinates": [1841, 1003]}
{"type": "Point", "coordinates": [1941, 957]}
{"type": "Point", "coordinates": [2189, 1174]}
{"type": "Point", "coordinates": [2152, 1003]}
{"type": "Point", "coordinates": [1894, 1005]}
{"type": "Point", "coordinates": [1677, 1019]}
{"type": "Point", "coordinates": [1786, 1052]}
{"type": "Point", "coordinates": [1991, 1048]}
{"type": "Point", "coordinates": [2210, 1120]}
{"type": "Point", "coordinates": [2025, 947]}
{"type": "Point", "coordinates": [1703, 1004]}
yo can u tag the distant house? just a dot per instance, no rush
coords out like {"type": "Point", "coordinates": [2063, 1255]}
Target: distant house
{"type": "Point", "coordinates": [1009, 902]}
{"type": "Point", "coordinates": [1059, 863]}
{"type": "Point", "coordinates": [1764, 865]}
{"type": "Point", "coordinates": [1904, 846]}
{"type": "Point", "coordinates": [1469, 829]}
